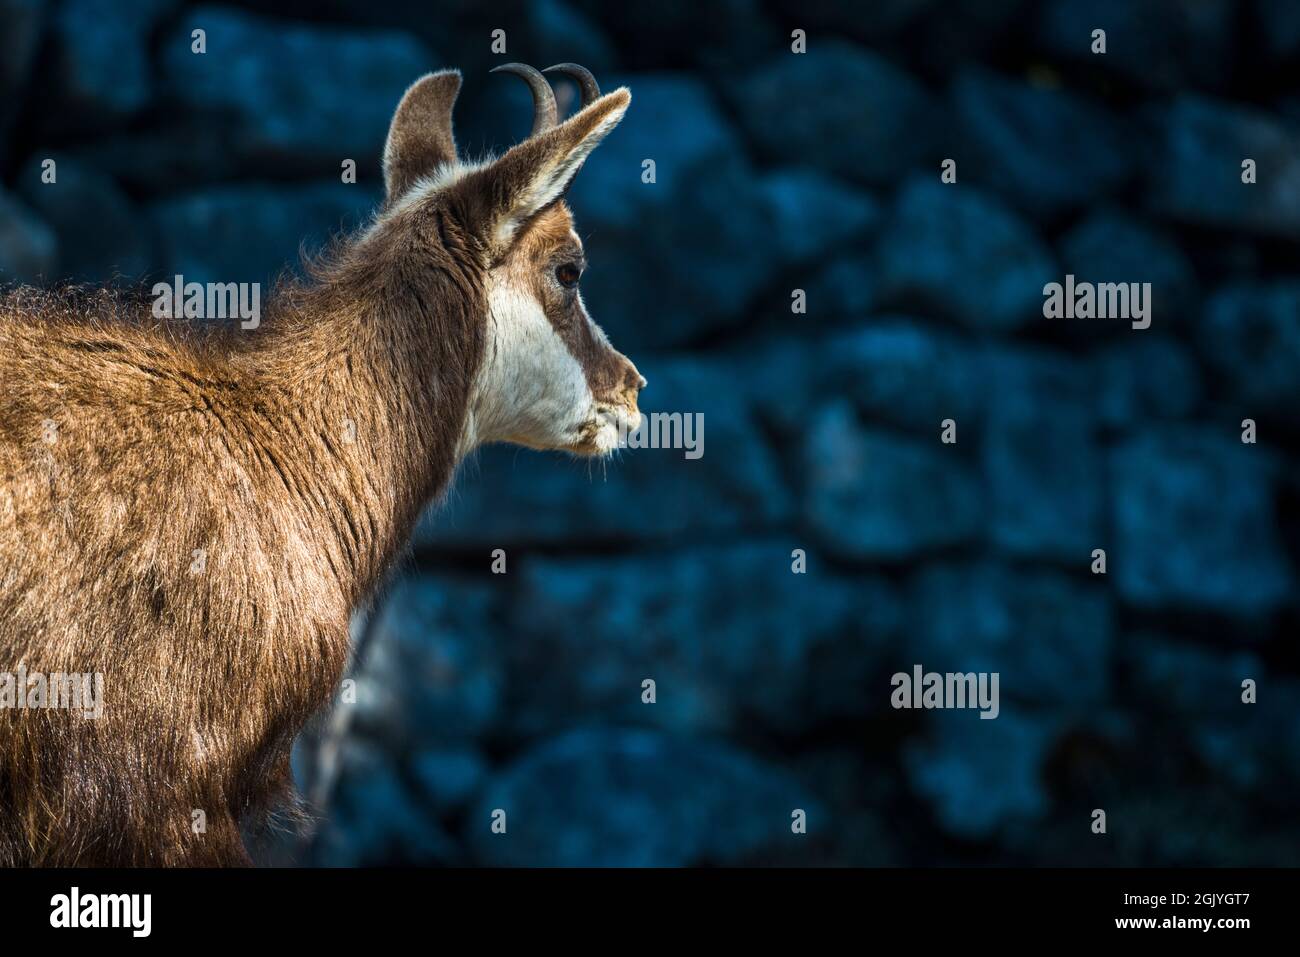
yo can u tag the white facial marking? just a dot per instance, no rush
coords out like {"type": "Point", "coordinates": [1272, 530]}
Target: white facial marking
{"type": "Point", "coordinates": [530, 389]}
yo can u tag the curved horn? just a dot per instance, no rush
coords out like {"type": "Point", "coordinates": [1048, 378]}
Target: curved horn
{"type": "Point", "coordinates": [545, 112]}
{"type": "Point", "coordinates": [582, 76]}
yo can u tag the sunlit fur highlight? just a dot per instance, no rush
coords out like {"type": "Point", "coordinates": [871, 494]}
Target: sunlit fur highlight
{"type": "Point", "coordinates": [195, 511]}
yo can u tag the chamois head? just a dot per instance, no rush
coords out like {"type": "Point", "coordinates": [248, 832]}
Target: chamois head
{"type": "Point", "coordinates": [548, 377]}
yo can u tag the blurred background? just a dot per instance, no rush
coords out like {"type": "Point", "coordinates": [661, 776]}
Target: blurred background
{"type": "Point", "coordinates": [776, 172]}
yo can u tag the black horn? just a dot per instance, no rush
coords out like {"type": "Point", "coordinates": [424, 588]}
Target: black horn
{"type": "Point", "coordinates": [582, 76]}
{"type": "Point", "coordinates": [545, 112]}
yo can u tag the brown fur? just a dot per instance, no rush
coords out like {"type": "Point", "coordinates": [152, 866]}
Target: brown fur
{"type": "Point", "coordinates": [421, 138]}
{"type": "Point", "coordinates": [549, 242]}
{"type": "Point", "coordinates": [297, 458]}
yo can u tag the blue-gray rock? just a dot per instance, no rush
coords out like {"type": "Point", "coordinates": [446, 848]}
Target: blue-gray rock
{"type": "Point", "coordinates": [556, 25]}
{"type": "Point", "coordinates": [616, 798]}
{"type": "Point", "coordinates": [1039, 373]}
{"type": "Point", "coordinates": [1255, 745]}
{"type": "Point", "coordinates": [659, 277]}
{"type": "Point", "coordinates": [898, 371]}
{"type": "Point", "coordinates": [813, 214]}
{"type": "Point", "coordinates": [860, 794]}
{"type": "Point", "coordinates": [680, 31]}
{"type": "Point", "coordinates": [189, 153]}
{"type": "Point", "coordinates": [1215, 827]}
{"type": "Point", "coordinates": [24, 22]}
{"type": "Point", "coordinates": [955, 250]}
{"type": "Point", "coordinates": [449, 777]}
{"type": "Point", "coordinates": [100, 69]}
{"type": "Point", "coordinates": [1233, 753]}
{"type": "Point", "coordinates": [1159, 45]}
{"type": "Point", "coordinates": [1049, 636]}
{"type": "Point", "coordinates": [510, 497]}
{"type": "Point", "coordinates": [432, 671]}
{"type": "Point", "coordinates": [462, 21]}
{"type": "Point", "coordinates": [1195, 172]}
{"type": "Point", "coordinates": [980, 777]}
{"type": "Point", "coordinates": [119, 245]}
{"type": "Point", "coordinates": [1038, 447]}
{"type": "Point", "coordinates": [895, 369]}
{"type": "Point", "coordinates": [1044, 151]}
{"type": "Point", "coordinates": [887, 19]}
{"type": "Point", "coordinates": [374, 818]}
{"type": "Point", "coordinates": [956, 34]}
{"type": "Point", "coordinates": [1111, 246]}
{"type": "Point", "coordinates": [1195, 523]}
{"type": "Point", "coordinates": [872, 496]}
{"type": "Point", "coordinates": [844, 290]}
{"type": "Point", "coordinates": [1185, 679]}
{"type": "Point", "coordinates": [1044, 472]}
{"type": "Point", "coordinates": [794, 361]}
{"type": "Point", "coordinates": [676, 122]}
{"type": "Point", "coordinates": [841, 108]}
{"type": "Point", "coordinates": [29, 250]}
{"type": "Point", "coordinates": [1279, 28]}
{"type": "Point", "coordinates": [732, 637]}
{"type": "Point", "coordinates": [251, 233]}
{"type": "Point", "coordinates": [1144, 378]}
{"type": "Point", "coordinates": [1250, 334]}
{"type": "Point", "coordinates": [295, 98]}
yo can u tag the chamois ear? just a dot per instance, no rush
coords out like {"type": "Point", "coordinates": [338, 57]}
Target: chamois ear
{"type": "Point", "coordinates": [496, 200]}
{"type": "Point", "coordinates": [420, 139]}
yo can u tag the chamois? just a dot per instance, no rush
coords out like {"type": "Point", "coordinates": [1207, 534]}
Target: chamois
{"type": "Point", "coordinates": [193, 512]}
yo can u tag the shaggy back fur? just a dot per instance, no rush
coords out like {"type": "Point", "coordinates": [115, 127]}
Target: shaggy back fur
{"type": "Point", "coordinates": [194, 512]}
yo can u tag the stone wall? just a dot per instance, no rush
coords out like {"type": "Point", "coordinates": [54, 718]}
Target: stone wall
{"type": "Point", "coordinates": [778, 171]}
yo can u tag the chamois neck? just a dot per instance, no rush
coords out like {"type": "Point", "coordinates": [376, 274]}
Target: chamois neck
{"type": "Point", "coordinates": [374, 375]}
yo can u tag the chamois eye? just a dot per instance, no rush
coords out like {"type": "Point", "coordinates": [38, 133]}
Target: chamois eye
{"type": "Point", "coordinates": [568, 275]}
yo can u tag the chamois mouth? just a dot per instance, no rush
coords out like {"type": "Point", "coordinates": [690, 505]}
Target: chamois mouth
{"type": "Point", "coordinates": [606, 430]}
